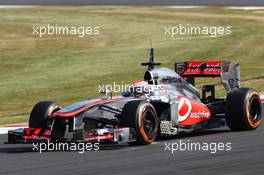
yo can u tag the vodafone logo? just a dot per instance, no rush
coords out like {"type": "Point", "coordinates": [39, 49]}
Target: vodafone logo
{"type": "Point", "coordinates": [200, 114]}
{"type": "Point", "coordinates": [185, 108]}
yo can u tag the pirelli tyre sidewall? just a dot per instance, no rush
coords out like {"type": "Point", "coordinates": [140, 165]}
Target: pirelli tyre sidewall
{"type": "Point", "coordinates": [142, 117]}
{"type": "Point", "coordinates": [146, 115]}
{"type": "Point", "coordinates": [243, 108]}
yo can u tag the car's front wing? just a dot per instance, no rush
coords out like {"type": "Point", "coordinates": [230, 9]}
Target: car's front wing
{"type": "Point", "coordinates": [106, 135]}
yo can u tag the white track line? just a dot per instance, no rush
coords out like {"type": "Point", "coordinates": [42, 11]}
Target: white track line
{"type": "Point", "coordinates": [246, 8]}
{"type": "Point", "coordinates": [4, 130]}
{"type": "Point", "coordinates": [105, 6]}
{"type": "Point", "coordinates": [17, 6]}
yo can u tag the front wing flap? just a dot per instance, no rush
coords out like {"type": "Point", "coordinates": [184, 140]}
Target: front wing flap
{"type": "Point", "coordinates": [105, 135]}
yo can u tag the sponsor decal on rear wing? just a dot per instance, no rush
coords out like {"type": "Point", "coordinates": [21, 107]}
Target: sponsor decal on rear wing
{"type": "Point", "coordinates": [201, 68]}
{"type": "Point", "coordinates": [228, 72]}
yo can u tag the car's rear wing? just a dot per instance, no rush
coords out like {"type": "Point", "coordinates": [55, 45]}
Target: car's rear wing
{"type": "Point", "coordinates": [228, 72]}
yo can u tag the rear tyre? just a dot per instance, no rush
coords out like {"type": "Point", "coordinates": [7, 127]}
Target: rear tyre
{"type": "Point", "coordinates": [243, 109]}
{"type": "Point", "coordinates": [40, 114]}
{"type": "Point", "coordinates": [142, 116]}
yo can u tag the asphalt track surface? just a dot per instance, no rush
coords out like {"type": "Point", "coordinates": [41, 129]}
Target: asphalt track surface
{"type": "Point", "coordinates": [137, 2]}
{"type": "Point", "coordinates": [245, 157]}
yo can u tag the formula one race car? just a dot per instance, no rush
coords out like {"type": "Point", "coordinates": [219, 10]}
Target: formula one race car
{"type": "Point", "coordinates": [165, 103]}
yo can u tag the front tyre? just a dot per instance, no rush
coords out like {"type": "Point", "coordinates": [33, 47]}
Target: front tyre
{"type": "Point", "coordinates": [142, 116]}
{"type": "Point", "coordinates": [243, 109]}
{"type": "Point", "coordinates": [40, 116]}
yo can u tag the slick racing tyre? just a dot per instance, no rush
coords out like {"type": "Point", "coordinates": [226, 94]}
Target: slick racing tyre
{"type": "Point", "coordinates": [243, 109]}
{"type": "Point", "coordinates": [142, 116]}
{"type": "Point", "coordinates": [40, 114]}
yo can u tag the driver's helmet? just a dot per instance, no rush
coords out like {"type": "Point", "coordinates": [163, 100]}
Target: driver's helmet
{"type": "Point", "coordinates": [137, 88]}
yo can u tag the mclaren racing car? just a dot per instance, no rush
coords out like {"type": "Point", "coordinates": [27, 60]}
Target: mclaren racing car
{"type": "Point", "coordinates": [164, 103]}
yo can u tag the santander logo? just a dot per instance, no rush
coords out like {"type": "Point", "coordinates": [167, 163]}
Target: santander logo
{"type": "Point", "coordinates": [185, 108]}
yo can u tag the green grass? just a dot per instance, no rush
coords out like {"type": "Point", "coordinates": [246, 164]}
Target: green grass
{"type": "Point", "coordinates": [67, 69]}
